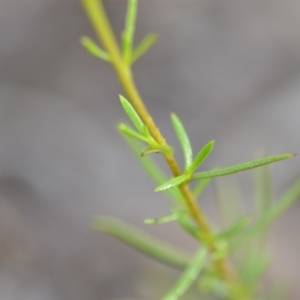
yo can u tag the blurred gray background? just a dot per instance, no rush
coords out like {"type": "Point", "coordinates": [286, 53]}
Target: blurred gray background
{"type": "Point", "coordinates": [229, 68]}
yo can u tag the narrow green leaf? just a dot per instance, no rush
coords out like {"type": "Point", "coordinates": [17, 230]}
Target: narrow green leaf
{"type": "Point", "coordinates": [132, 114]}
{"type": "Point", "coordinates": [254, 265]}
{"type": "Point", "coordinates": [173, 182]}
{"type": "Point", "coordinates": [128, 33]}
{"type": "Point", "coordinates": [162, 220]}
{"type": "Point", "coordinates": [241, 167]}
{"type": "Point", "coordinates": [190, 274]}
{"type": "Point", "coordinates": [199, 188]}
{"type": "Point", "coordinates": [201, 156]}
{"type": "Point", "coordinates": [142, 242]}
{"type": "Point", "coordinates": [153, 170]}
{"type": "Point", "coordinates": [94, 49]}
{"type": "Point", "coordinates": [183, 140]}
{"type": "Point", "coordinates": [148, 41]}
{"type": "Point", "coordinates": [291, 196]}
{"type": "Point", "coordinates": [263, 191]}
{"type": "Point", "coordinates": [228, 197]}
{"type": "Point", "coordinates": [263, 199]}
{"type": "Point", "coordinates": [128, 131]}
{"type": "Point", "coordinates": [235, 229]}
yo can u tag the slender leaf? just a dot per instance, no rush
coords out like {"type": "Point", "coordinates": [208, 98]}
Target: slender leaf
{"type": "Point", "coordinates": [263, 190]}
{"type": "Point", "coordinates": [254, 265]}
{"type": "Point", "coordinates": [94, 49]}
{"type": "Point", "coordinates": [183, 140]}
{"type": "Point", "coordinates": [153, 170]}
{"type": "Point", "coordinates": [128, 131]}
{"type": "Point", "coordinates": [128, 33]}
{"type": "Point", "coordinates": [173, 182]}
{"type": "Point", "coordinates": [263, 199]}
{"type": "Point", "coordinates": [291, 196]}
{"type": "Point", "coordinates": [199, 188]}
{"type": "Point", "coordinates": [235, 229]}
{"type": "Point", "coordinates": [241, 167]}
{"type": "Point", "coordinates": [132, 114]}
{"type": "Point", "coordinates": [228, 199]}
{"type": "Point", "coordinates": [165, 219]}
{"type": "Point", "coordinates": [142, 242]}
{"type": "Point", "coordinates": [201, 156]}
{"type": "Point", "coordinates": [148, 41]}
{"type": "Point", "coordinates": [189, 275]}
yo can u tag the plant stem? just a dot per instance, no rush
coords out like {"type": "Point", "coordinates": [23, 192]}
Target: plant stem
{"type": "Point", "coordinates": [102, 27]}
{"type": "Point", "coordinates": [98, 18]}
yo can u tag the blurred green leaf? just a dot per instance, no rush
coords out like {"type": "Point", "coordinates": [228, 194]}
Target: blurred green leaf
{"type": "Point", "coordinates": [161, 220]}
{"type": "Point", "coordinates": [199, 188]}
{"type": "Point", "coordinates": [130, 132]}
{"type": "Point", "coordinates": [254, 265]}
{"type": "Point", "coordinates": [241, 167]}
{"type": "Point", "coordinates": [142, 242]}
{"type": "Point", "coordinates": [235, 229]}
{"type": "Point", "coordinates": [183, 140]}
{"type": "Point", "coordinates": [173, 182]}
{"type": "Point", "coordinates": [189, 275]}
{"type": "Point", "coordinates": [153, 170]}
{"type": "Point", "coordinates": [128, 33]}
{"type": "Point", "coordinates": [94, 49]}
{"type": "Point", "coordinates": [229, 201]}
{"type": "Point", "coordinates": [148, 41]}
{"type": "Point", "coordinates": [201, 157]}
{"type": "Point", "coordinates": [291, 196]}
{"type": "Point", "coordinates": [212, 284]}
{"type": "Point", "coordinates": [263, 190]}
{"type": "Point", "coordinates": [132, 114]}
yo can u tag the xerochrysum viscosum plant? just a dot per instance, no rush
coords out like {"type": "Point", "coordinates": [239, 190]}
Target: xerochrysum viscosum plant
{"type": "Point", "coordinates": [214, 266]}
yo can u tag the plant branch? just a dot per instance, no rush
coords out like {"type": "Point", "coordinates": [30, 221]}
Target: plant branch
{"type": "Point", "coordinates": [104, 32]}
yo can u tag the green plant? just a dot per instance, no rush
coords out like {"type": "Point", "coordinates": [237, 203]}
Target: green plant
{"type": "Point", "coordinates": [219, 266]}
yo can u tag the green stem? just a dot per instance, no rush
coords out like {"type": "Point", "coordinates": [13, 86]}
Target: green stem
{"type": "Point", "coordinates": [96, 13]}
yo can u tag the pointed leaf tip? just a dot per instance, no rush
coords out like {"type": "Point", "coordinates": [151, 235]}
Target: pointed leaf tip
{"type": "Point", "coordinates": [183, 139]}
{"type": "Point", "coordinates": [242, 167]}
{"type": "Point", "coordinates": [144, 46]}
{"type": "Point", "coordinates": [201, 156]}
{"type": "Point", "coordinates": [173, 182]}
{"type": "Point", "coordinates": [132, 114]}
{"type": "Point", "coordinates": [94, 49]}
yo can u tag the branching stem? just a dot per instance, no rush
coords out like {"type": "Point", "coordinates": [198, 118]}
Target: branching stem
{"type": "Point", "coordinates": [98, 18]}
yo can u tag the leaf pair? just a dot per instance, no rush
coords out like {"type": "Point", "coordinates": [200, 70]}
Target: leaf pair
{"type": "Point", "coordinates": [191, 165]}
{"type": "Point", "coordinates": [130, 55]}
{"type": "Point", "coordinates": [142, 132]}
